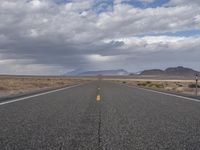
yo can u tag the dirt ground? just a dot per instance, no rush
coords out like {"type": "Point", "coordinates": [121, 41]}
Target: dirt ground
{"type": "Point", "coordinates": [186, 86]}
{"type": "Point", "coordinates": [10, 85]}
{"type": "Point", "coordinates": [22, 84]}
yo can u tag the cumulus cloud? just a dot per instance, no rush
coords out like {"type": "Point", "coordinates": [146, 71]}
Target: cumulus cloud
{"type": "Point", "coordinates": [44, 36]}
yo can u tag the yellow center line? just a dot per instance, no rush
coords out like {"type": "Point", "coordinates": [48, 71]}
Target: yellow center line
{"type": "Point", "coordinates": [98, 98]}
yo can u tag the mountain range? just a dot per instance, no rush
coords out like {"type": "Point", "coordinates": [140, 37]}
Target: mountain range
{"type": "Point", "coordinates": [172, 71]}
{"type": "Point", "coordinates": [99, 72]}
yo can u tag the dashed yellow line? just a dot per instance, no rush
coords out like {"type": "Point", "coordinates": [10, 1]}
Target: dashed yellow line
{"type": "Point", "coordinates": [98, 98]}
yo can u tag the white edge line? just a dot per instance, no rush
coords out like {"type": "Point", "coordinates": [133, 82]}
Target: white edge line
{"type": "Point", "coordinates": [36, 95]}
{"type": "Point", "coordinates": [168, 94]}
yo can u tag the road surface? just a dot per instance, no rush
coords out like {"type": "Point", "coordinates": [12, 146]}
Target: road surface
{"type": "Point", "coordinates": [100, 116]}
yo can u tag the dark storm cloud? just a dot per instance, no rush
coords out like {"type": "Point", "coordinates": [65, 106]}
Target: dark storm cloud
{"type": "Point", "coordinates": [48, 37]}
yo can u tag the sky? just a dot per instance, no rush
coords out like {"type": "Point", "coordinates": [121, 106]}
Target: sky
{"type": "Point", "coordinates": [53, 37]}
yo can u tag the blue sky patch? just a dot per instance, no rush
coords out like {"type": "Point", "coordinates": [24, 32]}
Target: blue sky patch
{"type": "Point", "coordinates": [143, 5]}
{"type": "Point", "coordinates": [103, 6]}
{"type": "Point", "coordinates": [187, 33]}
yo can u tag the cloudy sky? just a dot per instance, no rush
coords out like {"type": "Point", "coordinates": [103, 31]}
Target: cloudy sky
{"type": "Point", "coordinates": [58, 36]}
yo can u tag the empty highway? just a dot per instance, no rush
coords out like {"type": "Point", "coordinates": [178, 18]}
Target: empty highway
{"type": "Point", "coordinates": [100, 116]}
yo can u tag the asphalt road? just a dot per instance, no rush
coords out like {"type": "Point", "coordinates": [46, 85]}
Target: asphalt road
{"type": "Point", "coordinates": [100, 116]}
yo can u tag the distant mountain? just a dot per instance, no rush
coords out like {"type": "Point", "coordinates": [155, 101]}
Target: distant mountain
{"type": "Point", "coordinates": [181, 71]}
{"type": "Point", "coordinates": [152, 72]}
{"type": "Point", "coordinates": [104, 72]}
{"type": "Point", "coordinates": [172, 71]}
{"type": "Point", "coordinates": [73, 73]}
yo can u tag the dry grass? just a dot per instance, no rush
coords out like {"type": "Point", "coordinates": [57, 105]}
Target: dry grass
{"type": "Point", "coordinates": [21, 84]}
{"type": "Point", "coordinates": [181, 86]}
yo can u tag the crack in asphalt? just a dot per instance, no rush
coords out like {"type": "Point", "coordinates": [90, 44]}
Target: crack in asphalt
{"type": "Point", "coordinates": [99, 130]}
{"type": "Point", "coordinates": [99, 117]}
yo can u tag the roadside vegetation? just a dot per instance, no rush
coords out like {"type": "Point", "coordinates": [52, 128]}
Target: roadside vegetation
{"type": "Point", "coordinates": [21, 84]}
{"type": "Point", "coordinates": [193, 86]}
{"type": "Point", "coordinates": [180, 86]}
